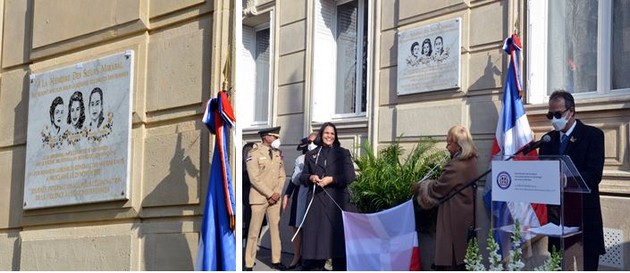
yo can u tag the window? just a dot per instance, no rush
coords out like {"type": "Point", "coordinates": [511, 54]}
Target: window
{"type": "Point", "coordinates": [621, 44]}
{"type": "Point", "coordinates": [340, 59]}
{"type": "Point", "coordinates": [572, 62]}
{"type": "Point", "coordinates": [255, 67]}
{"type": "Point", "coordinates": [579, 46]}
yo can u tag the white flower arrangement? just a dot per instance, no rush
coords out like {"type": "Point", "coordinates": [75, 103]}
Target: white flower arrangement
{"type": "Point", "coordinates": [553, 263]}
{"type": "Point", "coordinates": [473, 257]}
{"type": "Point", "coordinates": [514, 260]}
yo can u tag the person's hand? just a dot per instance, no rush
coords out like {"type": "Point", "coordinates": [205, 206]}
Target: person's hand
{"type": "Point", "coordinates": [325, 181]}
{"type": "Point", "coordinates": [275, 197]}
{"type": "Point", "coordinates": [314, 178]}
{"type": "Point", "coordinates": [285, 201]}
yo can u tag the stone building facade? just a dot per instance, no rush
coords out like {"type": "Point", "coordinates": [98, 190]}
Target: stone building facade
{"type": "Point", "coordinates": [299, 63]}
{"type": "Point", "coordinates": [309, 80]}
{"type": "Point", "coordinates": [179, 49]}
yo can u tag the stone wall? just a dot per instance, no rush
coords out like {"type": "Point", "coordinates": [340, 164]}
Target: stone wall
{"type": "Point", "coordinates": [157, 227]}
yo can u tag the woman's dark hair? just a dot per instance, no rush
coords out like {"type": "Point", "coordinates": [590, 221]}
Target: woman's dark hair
{"type": "Point", "coordinates": [100, 115]}
{"type": "Point", "coordinates": [415, 44]}
{"type": "Point", "coordinates": [318, 141]}
{"type": "Point", "coordinates": [76, 96]}
{"type": "Point", "coordinates": [428, 42]}
{"type": "Point", "coordinates": [55, 102]}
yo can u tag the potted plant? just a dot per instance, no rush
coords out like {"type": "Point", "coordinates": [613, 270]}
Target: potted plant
{"type": "Point", "coordinates": [384, 181]}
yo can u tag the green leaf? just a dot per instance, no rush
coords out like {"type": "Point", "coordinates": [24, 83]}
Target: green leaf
{"type": "Point", "coordinates": [384, 179]}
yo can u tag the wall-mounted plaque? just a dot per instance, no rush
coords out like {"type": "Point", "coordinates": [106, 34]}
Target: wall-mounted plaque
{"type": "Point", "coordinates": [79, 133]}
{"type": "Point", "coordinates": [429, 58]}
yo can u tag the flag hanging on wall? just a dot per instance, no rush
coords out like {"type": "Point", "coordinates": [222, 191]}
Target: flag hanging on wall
{"type": "Point", "coordinates": [512, 133]}
{"type": "Point", "coordinates": [385, 240]}
{"type": "Point", "coordinates": [217, 245]}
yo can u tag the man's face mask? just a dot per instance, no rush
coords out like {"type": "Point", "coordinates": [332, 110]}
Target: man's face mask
{"type": "Point", "coordinates": [275, 144]}
{"type": "Point", "coordinates": [558, 119]}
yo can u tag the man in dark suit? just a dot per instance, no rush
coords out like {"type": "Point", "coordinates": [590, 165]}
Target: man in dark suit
{"type": "Point", "coordinates": [584, 144]}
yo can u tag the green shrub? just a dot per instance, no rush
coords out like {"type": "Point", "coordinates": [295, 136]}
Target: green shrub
{"type": "Point", "coordinates": [384, 181]}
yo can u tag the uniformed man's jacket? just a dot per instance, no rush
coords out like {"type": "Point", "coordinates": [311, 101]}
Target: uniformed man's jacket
{"type": "Point", "coordinates": [266, 174]}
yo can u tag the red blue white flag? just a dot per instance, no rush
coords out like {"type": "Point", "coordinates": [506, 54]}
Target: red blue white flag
{"type": "Point", "coordinates": [512, 133]}
{"type": "Point", "coordinates": [385, 240]}
{"type": "Point", "coordinates": [217, 245]}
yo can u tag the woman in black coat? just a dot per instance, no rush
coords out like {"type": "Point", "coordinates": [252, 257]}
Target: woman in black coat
{"type": "Point", "coordinates": [328, 170]}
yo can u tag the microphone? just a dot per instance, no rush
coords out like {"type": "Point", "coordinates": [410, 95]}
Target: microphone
{"type": "Point", "coordinates": [534, 144]}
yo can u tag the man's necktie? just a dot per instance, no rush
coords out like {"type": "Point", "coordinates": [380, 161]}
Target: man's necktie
{"type": "Point", "coordinates": [563, 143]}
{"type": "Point", "coordinates": [270, 155]}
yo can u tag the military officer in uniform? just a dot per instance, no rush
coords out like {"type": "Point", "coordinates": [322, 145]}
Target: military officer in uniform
{"type": "Point", "coordinates": [267, 177]}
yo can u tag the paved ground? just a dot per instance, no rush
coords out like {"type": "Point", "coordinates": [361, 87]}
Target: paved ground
{"type": "Point", "coordinates": [263, 259]}
{"type": "Point", "coordinates": [263, 256]}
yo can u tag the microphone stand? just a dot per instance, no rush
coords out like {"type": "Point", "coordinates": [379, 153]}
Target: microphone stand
{"type": "Point", "coordinates": [473, 184]}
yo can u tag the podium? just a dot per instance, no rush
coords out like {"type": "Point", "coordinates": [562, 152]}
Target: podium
{"type": "Point", "coordinates": [544, 193]}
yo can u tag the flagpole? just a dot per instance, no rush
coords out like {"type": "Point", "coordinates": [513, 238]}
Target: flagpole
{"type": "Point", "coordinates": [217, 244]}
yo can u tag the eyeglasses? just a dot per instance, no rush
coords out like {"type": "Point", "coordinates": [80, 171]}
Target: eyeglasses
{"type": "Point", "coordinates": [557, 114]}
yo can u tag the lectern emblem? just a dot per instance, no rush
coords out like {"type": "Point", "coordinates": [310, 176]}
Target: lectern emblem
{"type": "Point", "coordinates": [504, 180]}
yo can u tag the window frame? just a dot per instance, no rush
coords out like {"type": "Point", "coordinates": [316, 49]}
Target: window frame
{"type": "Point", "coordinates": [249, 101]}
{"type": "Point", "coordinates": [326, 101]}
{"type": "Point", "coordinates": [537, 58]}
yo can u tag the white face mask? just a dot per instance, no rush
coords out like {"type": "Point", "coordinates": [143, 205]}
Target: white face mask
{"type": "Point", "coordinates": [559, 123]}
{"type": "Point", "coordinates": [311, 146]}
{"type": "Point", "coordinates": [276, 144]}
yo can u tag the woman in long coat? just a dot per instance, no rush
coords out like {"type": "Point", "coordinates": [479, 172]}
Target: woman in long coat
{"type": "Point", "coordinates": [455, 216]}
{"type": "Point", "coordinates": [328, 170]}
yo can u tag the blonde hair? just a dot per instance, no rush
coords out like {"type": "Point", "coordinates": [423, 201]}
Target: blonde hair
{"type": "Point", "coordinates": [463, 138]}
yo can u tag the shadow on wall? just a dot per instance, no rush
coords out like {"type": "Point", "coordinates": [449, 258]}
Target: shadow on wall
{"type": "Point", "coordinates": [168, 248]}
{"type": "Point", "coordinates": [174, 248]}
{"type": "Point", "coordinates": [477, 124]}
{"type": "Point", "coordinates": [18, 158]}
{"type": "Point", "coordinates": [490, 72]}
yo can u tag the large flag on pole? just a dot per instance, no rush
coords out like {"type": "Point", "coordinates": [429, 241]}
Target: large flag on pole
{"type": "Point", "coordinates": [512, 133]}
{"type": "Point", "coordinates": [217, 245]}
{"type": "Point", "coordinates": [385, 240]}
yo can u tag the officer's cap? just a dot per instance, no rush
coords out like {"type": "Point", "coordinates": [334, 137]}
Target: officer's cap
{"type": "Point", "coordinates": [303, 144]}
{"type": "Point", "coordinates": [274, 131]}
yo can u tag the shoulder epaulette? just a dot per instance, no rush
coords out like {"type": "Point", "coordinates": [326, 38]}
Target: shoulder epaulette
{"type": "Point", "coordinates": [255, 147]}
{"type": "Point", "coordinates": [249, 153]}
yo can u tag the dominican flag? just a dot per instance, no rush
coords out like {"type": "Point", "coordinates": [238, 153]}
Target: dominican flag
{"type": "Point", "coordinates": [217, 245]}
{"type": "Point", "coordinates": [385, 240]}
{"type": "Point", "coordinates": [512, 133]}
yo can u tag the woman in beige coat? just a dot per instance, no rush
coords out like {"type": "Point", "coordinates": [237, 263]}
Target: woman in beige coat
{"type": "Point", "coordinates": [455, 216]}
